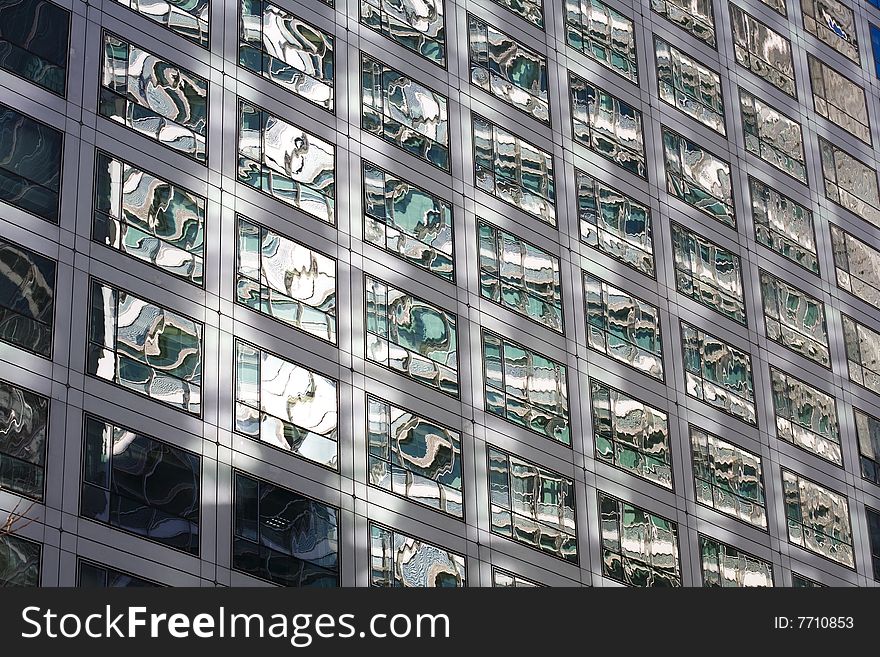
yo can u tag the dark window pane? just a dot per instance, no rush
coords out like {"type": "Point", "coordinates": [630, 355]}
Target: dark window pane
{"type": "Point", "coordinates": [27, 298]}
{"type": "Point", "coordinates": [33, 42]}
{"type": "Point", "coordinates": [19, 561]}
{"type": "Point", "coordinates": [94, 576]}
{"type": "Point", "coordinates": [24, 416]}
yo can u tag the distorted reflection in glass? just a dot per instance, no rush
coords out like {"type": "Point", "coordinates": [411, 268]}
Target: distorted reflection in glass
{"type": "Point", "coordinates": [763, 51]}
{"type": "Point", "coordinates": [693, 16]}
{"type": "Point", "coordinates": [805, 416]}
{"type": "Point", "coordinates": [24, 424]}
{"type": "Point", "coordinates": [34, 40]}
{"type": "Point", "coordinates": [783, 225]}
{"type": "Point", "coordinates": [688, 85]}
{"type": "Point", "coordinates": [418, 25]}
{"type": "Point", "coordinates": [399, 560]}
{"type": "Point", "coordinates": [849, 182]}
{"type": "Point", "coordinates": [727, 567]}
{"type": "Point", "coordinates": [27, 299]}
{"type": "Point", "coordinates": [19, 561]}
{"type": "Point", "coordinates": [795, 319]}
{"type": "Point", "coordinates": [839, 99]}
{"type": "Point", "coordinates": [603, 34]}
{"type": "Point", "coordinates": [818, 519]}
{"type": "Point", "coordinates": [772, 136]}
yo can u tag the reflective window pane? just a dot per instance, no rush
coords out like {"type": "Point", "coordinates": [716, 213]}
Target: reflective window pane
{"type": "Point", "coordinates": [414, 457]}
{"type": "Point", "coordinates": [849, 182]}
{"type": "Point", "coordinates": [287, 50]}
{"type": "Point", "coordinates": [777, 6]}
{"type": "Point", "coordinates": [145, 348]}
{"type": "Point", "coordinates": [418, 25]}
{"type": "Point", "coordinates": [24, 420]}
{"type": "Point", "coordinates": [839, 99]}
{"type": "Point", "coordinates": [148, 218]}
{"type": "Point", "coordinates": [140, 485]}
{"type": "Point", "coordinates": [623, 326]}
{"type": "Point", "coordinates": [30, 164]}
{"type": "Point", "coordinates": [718, 374]}
{"type": "Point", "coordinates": [873, 518]}
{"type": "Point", "coordinates": [801, 582]}
{"type": "Point", "coordinates": [608, 126]}
{"type": "Point", "coordinates": [504, 579]}
{"type": "Point", "coordinates": [507, 69]}
{"type": "Point", "coordinates": [398, 560]}
{"type": "Point", "coordinates": [604, 34]}
{"type": "Point", "coordinates": [688, 85]}
{"type": "Point", "coordinates": [283, 536]}
{"type": "Point", "coordinates": [156, 98]}
{"type": "Point", "coordinates": [805, 416]}
{"type": "Point", "coordinates": [868, 435]}
{"type": "Point", "coordinates": [763, 51]}
{"type": "Point", "coordinates": [693, 16]}
{"type": "Point", "coordinates": [772, 136]}
{"type": "Point", "coordinates": [630, 434]}
{"type": "Point", "coordinates": [286, 405]}
{"type": "Point", "coordinates": [526, 388]}
{"type": "Point", "coordinates": [404, 112]}
{"type": "Point", "coordinates": [726, 566]}
{"type": "Point", "coordinates": [783, 225]}
{"type": "Point", "coordinates": [615, 224]}
{"type": "Point", "coordinates": [698, 178]}
{"type": "Point", "coordinates": [27, 299]}
{"type": "Point", "coordinates": [795, 319]}
{"type": "Point", "coordinates": [408, 221]}
{"type": "Point", "coordinates": [188, 18]}
{"type": "Point", "coordinates": [862, 353]}
{"type": "Point", "coordinates": [513, 170]}
{"type": "Point", "coordinates": [529, 10]}
{"type": "Point", "coordinates": [708, 273]}
{"type": "Point", "coordinates": [284, 279]}
{"type": "Point", "coordinates": [728, 478]}
{"type": "Point", "coordinates": [520, 276]}
{"type": "Point", "coordinates": [19, 561]}
{"type": "Point", "coordinates": [532, 505]}
{"type": "Point", "coordinates": [834, 24]}
{"type": "Point", "coordinates": [34, 38]}
{"type": "Point", "coordinates": [639, 548]}
{"type": "Point", "coordinates": [95, 576]}
{"type": "Point", "coordinates": [411, 336]}
{"type": "Point", "coordinates": [286, 162]}
{"type": "Point", "coordinates": [818, 519]}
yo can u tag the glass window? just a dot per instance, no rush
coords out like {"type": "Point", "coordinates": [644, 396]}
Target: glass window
{"type": "Point", "coordinates": [834, 24]}
{"type": "Point", "coordinates": [156, 98]}
{"type": "Point", "coordinates": [286, 162]}
{"type": "Point", "coordinates": [718, 374]}
{"type": "Point", "coordinates": [414, 457]}
{"type": "Point", "coordinates": [875, 47]}
{"type": "Point", "coordinates": [19, 561]}
{"type": "Point", "coordinates": [698, 178]}
{"type": "Point", "coordinates": [27, 299]}
{"type": "Point", "coordinates": [849, 182]}
{"type": "Point", "coordinates": [801, 582]}
{"type": "Point", "coordinates": [784, 225]}
{"type": "Point", "coordinates": [873, 518]}
{"type": "Point", "coordinates": [529, 10]}
{"type": "Point", "coordinates": [603, 34]}
{"type": "Point", "coordinates": [868, 434]}
{"type": "Point", "coordinates": [639, 548]}
{"type": "Point", "coordinates": [688, 85]}
{"type": "Point", "coordinates": [777, 5]}
{"type": "Point", "coordinates": [412, 337]}
{"type": "Point", "coordinates": [405, 113]}
{"type": "Point", "coordinates": [398, 560]}
{"type": "Point", "coordinates": [148, 218]}
{"type": "Point", "coordinates": [631, 435]}
{"type": "Point", "coordinates": [839, 99]}
{"type": "Point", "coordinates": [30, 164]}
{"type": "Point", "coordinates": [772, 136]}
{"type": "Point", "coordinates": [818, 519]}
{"type": "Point", "coordinates": [408, 221]}
{"type": "Point", "coordinates": [725, 566]}
{"type": "Point", "coordinates": [283, 536]}
{"type": "Point", "coordinates": [145, 348]}
{"type": "Point", "coordinates": [608, 126]}
{"type": "Point", "coordinates": [514, 170]}
{"type": "Point", "coordinates": [520, 276]}
{"type": "Point", "coordinates": [286, 280]}
{"type": "Point", "coordinates": [794, 319]}
{"type": "Point", "coordinates": [526, 388]}
{"type": "Point", "coordinates": [287, 50]}
{"type": "Point", "coordinates": [728, 478]}
{"type": "Point", "coordinates": [805, 416]}
{"type": "Point", "coordinates": [286, 405]}
{"type": "Point", "coordinates": [509, 70]}
{"type": "Point", "coordinates": [862, 353]}
{"type": "Point", "coordinates": [693, 16]}
{"type": "Point", "coordinates": [24, 425]}
{"type": "Point", "coordinates": [532, 505]}
{"type": "Point", "coordinates": [188, 18]}
{"type": "Point", "coordinates": [504, 579]}
{"type": "Point", "coordinates": [95, 576]}
{"type": "Point", "coordinates": [615, 224]}
{"type": "Point", "coordinates": [418, 25]}
{"type": "Point", "coordinates": [708, 273]}
{"type": "Point", "coordinates": [140, 485]}
{"type": "Point", "coordinates": [623, 327]}
{"type": "Point", "coordinates": [856, 266]}
{"type": "Point", "coordinates": [34, 42]}
{"type": "Point", "coordinates": [763, 51]}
